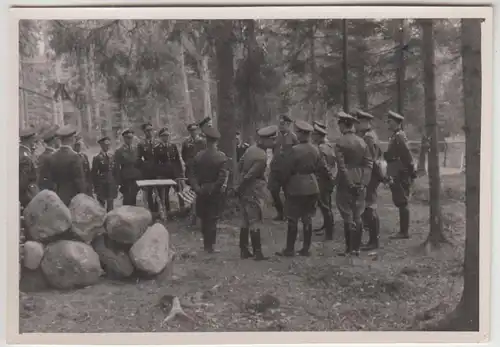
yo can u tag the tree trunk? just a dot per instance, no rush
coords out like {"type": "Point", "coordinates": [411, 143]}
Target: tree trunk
{"type": "Point", "coordinates": [187, 95]}
{"type": "Point", "coordinates": [345, 70]}
{"type": "Point", "coordinates": [88, 96]}
{"type": "Point", "coordinates": [436, 235]}
{"type": "Point", "coordinates": [225, 87]}
{"type": "Point", "coordinates": [94, 103]}
{"type": "Point", "coordinates": [401, 69]}
{"type": "Point", "coordinates": [205, 76]}
{"type": "Point", "coordinates": [465, 317]}
{"type": "Point", "coordinates": [58, 104]}
{"type": "Point", "coordinates": [361, 80]}
{"type": "Point", "coordinates": [422, 157]}
{"type": "Point", "coordinates": [314, 77]}
{"type": "Point", "coordinates": [249, 102]}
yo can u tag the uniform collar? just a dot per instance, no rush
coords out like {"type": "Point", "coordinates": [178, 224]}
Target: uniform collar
{"type": "Point", "coordinates": [67, 147]}
{"type": "Point", "coordinates": [349, 131]}
{"type": "Point", "coordinates": [104, 153]}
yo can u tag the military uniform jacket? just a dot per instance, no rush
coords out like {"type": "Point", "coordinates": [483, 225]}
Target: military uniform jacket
{"type": "Point", "coordinates": [252, 168]}
{"type": "Point", "coordinates": [191, 147]}
{"type": "Point", "coordinates": [354, 161]}
{"type": "Point", "coordinates": [127, 164]}
{"type": "Point", "coordinates": [104, 172]}
{"type": "Point", "coordinates": [27, 169]}
{"type": "Point", "coordinates": [241, 149]}
{"type": "Point", "coordinates": [284, 144]}
{"type": "Point", "coordinates": [66, 173]}
{"type": "Point", "coordinates": [86, 173]}
{"type": "Point", "coordinates": [167, 161]}
{"type": "Point", "coordinates": [210, 172]}
{"type": "Point", "coordinates": [372, 141]}
{"type": "Point", "coordinates": [43, 168]}
{"type": "Point", "coordinates": [327, 152]}
{"type": "Point", "coordinates": [303, 166]}
{"type": "Point", "coordinates": [398, 155]}
{"type": "Point", "coordinates": [146, 157]}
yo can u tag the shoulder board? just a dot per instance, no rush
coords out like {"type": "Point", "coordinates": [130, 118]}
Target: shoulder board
{"type": "Point", "coordinates": [158, 144]}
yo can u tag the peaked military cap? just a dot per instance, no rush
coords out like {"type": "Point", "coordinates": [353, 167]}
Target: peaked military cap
{"type": "Point", "coordinates": [303, 126]}
{"type": "Point", "coordinates": [211, 132]}
{"type": "Point", "coordinates": [395, 116]}
{"type": "Point", "coordinates": [204, 121]}
{"type": "Point", "coordinates": [345, 117]}
{"type": "Point", "coordinates": [163, 131]}
{"type": "Point", "coordinates": [146, 125]}
{"type": "Point", "coordinates": [268, 132]}
{"type": "Point", "coordinates": [50, 134]}
{"type": "Point", "coordinates": [285, 118]}
{"type": "Point", "coordinates": [192, 126]}
{"type": "Point", "coordinates": [238, 132]}
{"type": "Point", "coordinates": [319, 124]}
{"type": "Point", "coordinates": [104, 138]}
{"type": "Point", "coordinates": [26, 133]}
{"type": "Point", "coordinates": [319, 129]}
{"type": "Point", "coordinates": [362, 114]}
{"type": "Point", "coordinates": [66, 131]}
{"type": "Point", "coordinates": [127, 132]}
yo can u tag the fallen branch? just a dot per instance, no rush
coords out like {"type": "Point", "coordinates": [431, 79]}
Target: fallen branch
{"type": "Point", "coordinates": [176, 309]}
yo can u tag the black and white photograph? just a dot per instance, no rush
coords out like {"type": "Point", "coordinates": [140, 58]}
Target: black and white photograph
{"type": "Point", "coordinates": [259, 174]}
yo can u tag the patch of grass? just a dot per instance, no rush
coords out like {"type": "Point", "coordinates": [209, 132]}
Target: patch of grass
{"type": "Point", "coordinates": [452, 188]}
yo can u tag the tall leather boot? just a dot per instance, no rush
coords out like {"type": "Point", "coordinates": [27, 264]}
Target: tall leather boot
{"type": "Point", "coordinates": [329, 224]}
{"type": "Point", "coordinates": [244, 252]}
{"type": "Point", "coordinates": [306, 245]}
{"type": "Point", "coordinates": [357, 235]}
{"type": "Point", "coordinates": [291, 236]}
{"type": "Point", "coordinates": [278, 204]}
{"type": "Point", "coordinates": [348, 240]}
{"type": "Point", "coordinates": [207, 244]}
{"type": "Point", "coordinates": [404, 223]}
{"type": "Point", "coordinates": [256, 245]}
{"type": "Point", "coordinates": [372, 223]}
{"type": "Point", "coordinates": [213, 235]}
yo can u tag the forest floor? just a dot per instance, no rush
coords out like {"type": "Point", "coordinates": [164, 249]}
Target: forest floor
{"type": "Point", "coordinates": [398, 288]}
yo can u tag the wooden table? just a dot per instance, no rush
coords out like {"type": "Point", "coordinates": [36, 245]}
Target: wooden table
{"type": "Point", "coordinates": [159, 192]}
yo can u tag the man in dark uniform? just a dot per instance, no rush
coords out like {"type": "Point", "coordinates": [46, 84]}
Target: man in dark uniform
{"type": "Point", "coordinates": [252, 191]}
{"type": "Point", "coordinates": [370, 217]}
{"type": "Point", "coordinates": [127, 164]}
{"type": "Point", "coordinates": [52, 143]}
{"type": "Point", "coordinates": [209, 180]}
{"type": "Point", "coordinates": [167, 162]}
{"type": "Point", "coordinates": [86, 166]}
{"type": "Point", "coordinates": [326, 184]}
{"type": "Point", "coordinates": [303, 165]}
{"type": "Point", "coordinates": [27, 169]}
{"type": "Point", "coordinates": [354, 173]}
{"type": "Point", "coordinates": [400, 171]}
{"type": "Point", "coordinates": [104, 175]}
{"type": "Point", "coordinates": [66, 167]}
{"type": "Point", "coordinates": [284, 143]}
{"type": "Point", "coordinates": [146, 161]}
{"type": "Point", "coordinates": [241, 146]}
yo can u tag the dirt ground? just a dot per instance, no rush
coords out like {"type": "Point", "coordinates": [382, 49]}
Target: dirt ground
{"type": "Point", "coordinates": [397, 288]}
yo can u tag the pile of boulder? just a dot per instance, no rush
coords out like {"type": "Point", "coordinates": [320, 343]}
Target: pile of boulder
{"type": "Point", "coordinates": [67, 247]}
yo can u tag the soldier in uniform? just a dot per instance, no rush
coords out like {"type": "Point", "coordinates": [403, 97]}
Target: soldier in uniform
{"type": "Point", "coordinates": [167, 162]}
{"type": "Point", "coordinates": [327, 183]}
{"type": "Point", "coordinates": [104, 175]}
{"type": "Point", "coordinates": [354, 173]}
{"type": "Point", "coordinates": [27, 169]}
{"type": "Point", "coordinates": [241, 146]}
{"type": "Point", "coordinates": [128, 168]}
{"type": "Point", "coordinates": [208, 179]}
{"type": "Point", "coordinates": [252, 191]}
{"type": "Point", "coordinates": [52, 143]}
{"type": "Point", "coordinates": [302, 167]}
{"type": "Point", "coordinates": [66, 167]}
{"type": "Point", "coordinates": [86, 166]}
{"type": "Point", "coordinates": [284, 143]}
{"type": "Point", "coordinates": [400, 171]}
{"type": "Point", "coordinates": [370, 217]}
{"type": "Point", "coordinates": [147, 162]}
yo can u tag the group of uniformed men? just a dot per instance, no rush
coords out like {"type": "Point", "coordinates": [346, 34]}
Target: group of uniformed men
{"type": "Point", "coordinates": [304, 165]}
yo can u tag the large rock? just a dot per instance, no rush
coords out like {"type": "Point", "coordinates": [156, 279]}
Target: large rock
{"type": "Point", "coordinates": [46, 216]}
{"type": "Point", "coordinates": [32, 254]}
{"type": "Point", "coordinates": [126, 224]}
{"type": "Point", "coordinates": [151, 253]}
{"type": "Point", "coordinates": [116, 262]}
{"type": "Point", "coordinates": [70, 264]}
{"type": "Point", "coordinates": [88, 217]}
